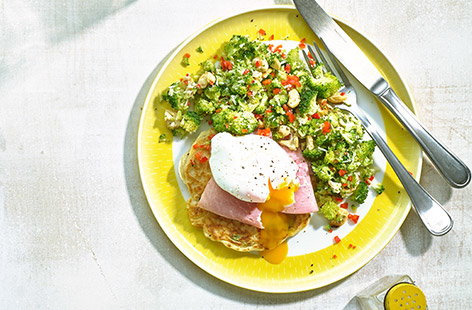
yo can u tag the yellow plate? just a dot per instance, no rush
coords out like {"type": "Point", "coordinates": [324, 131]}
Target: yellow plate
{"type": "Point", "coordinates": [296, 273]}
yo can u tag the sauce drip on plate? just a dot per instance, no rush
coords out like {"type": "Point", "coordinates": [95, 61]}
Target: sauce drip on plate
{"type": "Point", "coordinates": [276, 255]}
{"type": "Point", "coordinates": [276, 223]}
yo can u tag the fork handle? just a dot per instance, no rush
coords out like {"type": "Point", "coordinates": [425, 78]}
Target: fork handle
{"type": "Point", "coordinates": [448, 164]}
{"type": "Point", "coordinates": [431, 213]}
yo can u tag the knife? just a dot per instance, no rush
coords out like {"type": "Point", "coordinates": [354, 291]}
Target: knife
{"type": "Point", "coordinates": [349, 54]}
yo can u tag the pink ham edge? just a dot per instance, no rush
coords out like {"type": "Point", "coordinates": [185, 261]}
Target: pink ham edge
{"type": "Point", "coordinates": [305, 201]}
{"type": "Point", "coordinates": [218, 201]}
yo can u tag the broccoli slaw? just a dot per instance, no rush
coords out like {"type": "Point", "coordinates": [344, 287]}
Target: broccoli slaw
{"type": "Point", "coordinates": [256, 87]}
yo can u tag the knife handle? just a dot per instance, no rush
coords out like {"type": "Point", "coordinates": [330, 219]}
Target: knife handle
{"type": "Point", "coordinates": [448, 164]}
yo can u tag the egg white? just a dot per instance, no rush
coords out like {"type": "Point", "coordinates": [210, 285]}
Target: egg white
{"type": "Point", "coordinates": [243, 165]}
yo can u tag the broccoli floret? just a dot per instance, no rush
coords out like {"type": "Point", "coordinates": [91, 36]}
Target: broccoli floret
{"type": "Point", "coordinates": [312, 155]}
{"type": "Point", "coordinates": [208, 65]}
{"type": "Point", "coordinates": [261, 107]}
{"type": "Point", "coordinates": [365, 151]}
{"type": "Point", "coordinates": [240, 47]}
{"type": "Point", "coordinates": [257, 104]}
{"type": "Point", "coordinates": [176, 97]}
{"type": "Point", "coordinates": [333, 213]}
{"type": "Point", "coordinates": [366, 172]}
{"type": "Point", "coordinates": [279, 100]}
{"type": "Point", "coordinates": [277, 135]}
{"type": "Point", "coordinates": [293, 58]}
{"type": "Point", "coordinates": [181, 125]}
{"type": "Point", "coordinates": [203, 106]}
{"type": "Point", "coordinates": [329, 210]}
{"type": "Point", "coordinates": [322, 172]}
{"type": "Point", "coordinates": [276, 83]}
{"type": "Point", "coordinates": [237, 123]}
{"type": "Point", "coordinates": [360, 194]}
{"type": "Point", "coordinates": [326, 85]}
{"type": "Point", "coordinates": [330, 157]}
{"type": "Point", "coordinates": [307, 101]}
{"type": "Point", "coordinates": [212, 93]}
{"type": "Point", "coordinates": [239, 87]}
{"type": "Point", "coordinates": [190, 121]}
{"type": "Point", "coordinates": [199, 50]}
{"type": "Point", "coordinates": [378, 188]}
{"type": "Point", "coordinates": [274, 120]}
{"type": "Point", "coordinates": [317, 71]}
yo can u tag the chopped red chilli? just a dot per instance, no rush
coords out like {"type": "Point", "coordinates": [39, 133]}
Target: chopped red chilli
{"type": "Point", "coordinates": [353, 217]}
{"type": "Point", "coordinates": [291, 116]}
{"type": "Point", "coordinates": [200, 157]}
{"type": "Point", "coordinates": [326, 127]}
{"type": "Point", "coordinates": [226, 65]}
{"type": "Point", "coordinates": [264, 132]}
{"type": "Point", "coordinates": [287, 68]}
{"type": "Point", "coordinates": [302, 44]}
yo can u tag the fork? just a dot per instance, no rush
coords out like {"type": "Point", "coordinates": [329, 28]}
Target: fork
{"type": "Point", "coordinates": [436, 220]}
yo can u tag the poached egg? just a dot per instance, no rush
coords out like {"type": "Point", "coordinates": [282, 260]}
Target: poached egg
{"type": "Point", "coordinates": [248, 167]}
{"type": "Point", "coordinates": [257, 169]}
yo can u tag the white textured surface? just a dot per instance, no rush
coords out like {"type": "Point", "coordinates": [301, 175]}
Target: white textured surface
{"type": "Point", "coordinates": [76, 231]}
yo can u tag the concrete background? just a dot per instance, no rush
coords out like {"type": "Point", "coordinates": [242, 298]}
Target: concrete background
{"type": "Point", "coordinates": [76, 231]}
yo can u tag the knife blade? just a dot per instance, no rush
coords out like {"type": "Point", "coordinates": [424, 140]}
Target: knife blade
{"type": "Point", "coordinates": [339, 43]}
{"type": "Point", "coordinates": [351, 56]}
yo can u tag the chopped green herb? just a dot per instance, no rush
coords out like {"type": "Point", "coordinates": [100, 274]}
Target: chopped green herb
{"type": "Point", "coordinates": [185, 62]}
{"type": "Point", "coordinates": [235, 237]}
{"type": "Point", "coordinates": [378, 188]}
{"type": "Point", "coordinates": [327, 227]}
{"type": "Point", "coordinates": [163, 138]}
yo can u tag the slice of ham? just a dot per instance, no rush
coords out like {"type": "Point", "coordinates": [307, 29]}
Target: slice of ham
{"type": "Point", "coordinates": [218, 201]}
{"type": "Point", "coordinates": [305, 201]}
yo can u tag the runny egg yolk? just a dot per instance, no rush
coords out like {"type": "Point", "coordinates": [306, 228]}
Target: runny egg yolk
{"type": "Point", "coordinates": [277, 254]}
{"type": "Point", "coordinates": [276, 223]}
